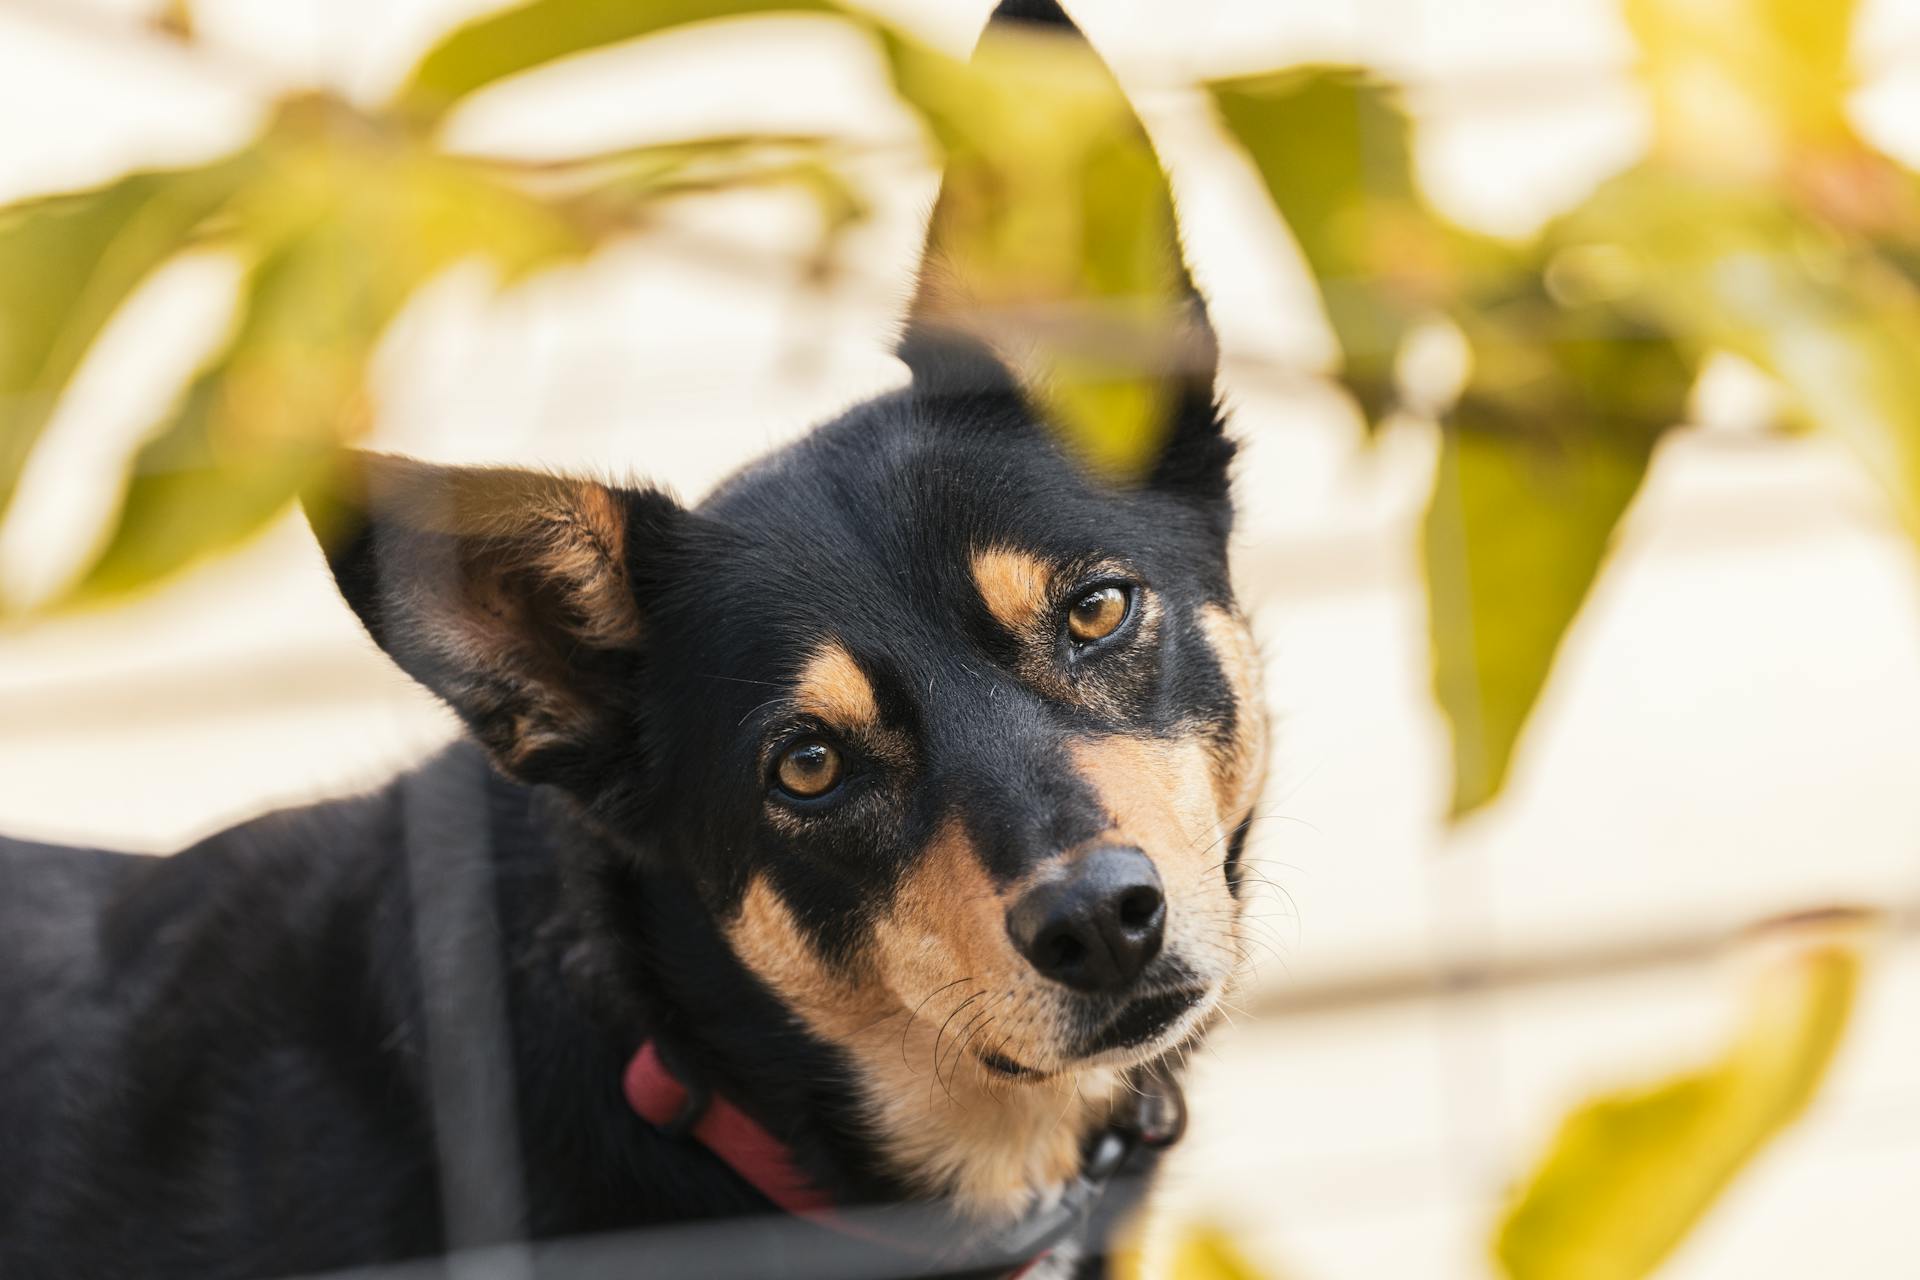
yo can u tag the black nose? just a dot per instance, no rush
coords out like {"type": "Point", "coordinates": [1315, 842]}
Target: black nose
{"type": "Point", "coordinates": [1096, 927]}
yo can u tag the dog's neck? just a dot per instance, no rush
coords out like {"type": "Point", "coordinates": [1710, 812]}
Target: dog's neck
{"type": "Point", "coordinates": [886, 1113]}
{"type": "Point", "coordinates": [997, 1149]}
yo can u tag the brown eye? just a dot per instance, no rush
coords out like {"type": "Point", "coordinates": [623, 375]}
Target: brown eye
{"type": "Point", "coordinates": [809, 768]}
{"type": "Point", "coordinates": [1097, 615]}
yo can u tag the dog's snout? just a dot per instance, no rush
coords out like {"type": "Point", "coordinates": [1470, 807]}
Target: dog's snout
{"type": "Point", "coordinates": [1096, 927]}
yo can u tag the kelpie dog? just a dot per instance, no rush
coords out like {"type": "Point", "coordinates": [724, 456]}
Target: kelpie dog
{"type": "Point", "coordinates": [869, 834]}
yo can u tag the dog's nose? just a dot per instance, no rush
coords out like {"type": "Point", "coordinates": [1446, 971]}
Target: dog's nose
{"type": "Point", "coordinates": [1096, 927]}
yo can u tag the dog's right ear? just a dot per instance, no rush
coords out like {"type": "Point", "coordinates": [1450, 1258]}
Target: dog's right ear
{"type": "Point", "coordinates": [510, 594]}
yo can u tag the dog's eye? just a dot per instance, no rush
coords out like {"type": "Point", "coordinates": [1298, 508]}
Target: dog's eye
{"type": "Point", "coordinates": [1098, 614]}
{"type": "Point", "coordinates": [808, 769]}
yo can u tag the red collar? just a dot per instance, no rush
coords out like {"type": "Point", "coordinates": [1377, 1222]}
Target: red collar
{"type": "Point", "coordinates": [724, 1129]}
{"type": "Point", "coordinates": [767, 1165]}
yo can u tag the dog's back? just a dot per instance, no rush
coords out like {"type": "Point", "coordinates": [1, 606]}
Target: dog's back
{"type": "Point", "coordinates": [53, 992]}
{"type": "Point", "coordinates": [214, 1063]}
{"type": "Point", "coordinates": [55, 1002]}
{"type": "Point", "coordinates": [50, 899]}
{"type": "Point", "coordinates": [162, 1016]}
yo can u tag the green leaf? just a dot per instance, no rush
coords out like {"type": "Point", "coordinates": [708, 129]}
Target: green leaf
{"type": "Point", "coordinates": [66, 265]}
{"type": "Point", "coordinates": [617, 190]}
{"type": "Point", "coordinates": [1055, 218]}
{"type": "Point", "coordinates": [351, 224]}
{"type": "Point", "coordinates": [499, 45]}
{"type": "Point", "coordinates": [1053, 241]}
{"type": "Point", "coordinates": [1547, 448]}
{"type": "Point", "coordinates": [1734, 267]}
{"type": "Point", "coordinates": [1746, 86]}
{"type": "Point", "coordinates": [1196, 1251]}
{"type": "Point", "coordinates": [1629, 1173]}
{"type": "Point", "coordinates": [1206, 1254]}
{"type": "Point", "coordinates": [1333, 147]}
{"type": "Point", "coordinates": [260, 422]}
{"type": "Point", "coordinates": [1540, 459]}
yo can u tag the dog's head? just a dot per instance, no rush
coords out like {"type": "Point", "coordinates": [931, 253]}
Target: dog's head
{"type": "Point", "coordinates": [953, 738]}
{"type": "Point", "coordinates": [917, 705]}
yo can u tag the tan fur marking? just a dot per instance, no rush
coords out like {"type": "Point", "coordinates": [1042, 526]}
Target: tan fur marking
{"type": "Point", "coordinates": [1240, 763]}
{"type": "Point", "coordinates": [944, 1122]}
{"type": "Point", "coordinates": [585, 547]}
{"type": "Point", "coordinates": [570, 532]}
{"type": "Point", "coordinates": [940, 981]}
{"type": "Point", "coordinates": [1014, 585]}
{"type": "Point", "coordinates": [948, 920]}
{"type": "Point", "coordinates": [768, 940]}
{"type": "Point", "coordinates": [1159, 793]}
{"type": "Point", "coordinates": [1002, 1140]}
{"type": "Point", "coordinates": [833, 687]}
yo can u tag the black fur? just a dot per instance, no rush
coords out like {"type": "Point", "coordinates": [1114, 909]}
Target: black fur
{"type": "Point", "coordinates": [217, 1064]}
{"type": "Point", "coordinates": [214, 1062]}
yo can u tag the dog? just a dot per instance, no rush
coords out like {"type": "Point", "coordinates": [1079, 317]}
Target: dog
{"type": "Point", "coordinates": [869, 834]}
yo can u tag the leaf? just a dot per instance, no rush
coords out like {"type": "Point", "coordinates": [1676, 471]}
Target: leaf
{"type": "Point", "coordinates": [351, 225]}
{"type": "Point", "coordinates": [66, 265]}
{"type": "Point", "coordinates": [1732, 267]}
{"type": "Point", "coordinates": [1629, 1173]}
{"type": "Point", "coordinates": [498, 45]}
{"type": "Point", "coordinates": [1333, 147]}
{"type": "Point", "coordinates": [1539, 461]}
{"type": "Point", "coordinates": [1198, 1252]}
{"type": "Point", "coordinates": [1206, 1254]}
{"type": "Point", "coordinates": [175, 19]}
{"type": "Point", "coordinates": [1743, 86]}
{"type": "Point", "coordinates": [709, 163]}
{"type": "Point", "coordinates": [1053, 242]}
{"type": "Point", "coordinates": [616, 190]}
{"type": "Point", "coordinates": [1547, 448]}
{"type": "Point", "coordinates": [1056, 214]}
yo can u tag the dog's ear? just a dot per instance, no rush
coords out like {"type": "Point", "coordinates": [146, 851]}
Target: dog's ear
{"type": "Point", "coordinates": [510, 594]}
{"type": "Point", "coordinates": [961, 345]}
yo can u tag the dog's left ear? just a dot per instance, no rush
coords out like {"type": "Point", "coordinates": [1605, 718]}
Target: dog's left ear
{"type": "Point", "coordinates": [961, 345]}
{"type": "Point", "coordinates": [510, 594]}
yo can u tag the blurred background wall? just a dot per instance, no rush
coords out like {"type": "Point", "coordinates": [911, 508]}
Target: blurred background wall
{"type": "Point", "coordinates": [1729, 735]}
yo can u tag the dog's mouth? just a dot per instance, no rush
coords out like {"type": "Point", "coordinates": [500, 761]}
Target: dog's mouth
{"type": "Point", "coordinates": [1002, 1065]}
{"type": "Point", "coordinates": [1143, 1021]}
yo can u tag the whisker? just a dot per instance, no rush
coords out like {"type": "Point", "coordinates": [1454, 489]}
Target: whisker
{"type": "Point", "coordinates": [916, 1015]}
{"type": "Point", "coordinates": [984, 1011]}
{"type": "Point", "coordinates": [936, 1042]}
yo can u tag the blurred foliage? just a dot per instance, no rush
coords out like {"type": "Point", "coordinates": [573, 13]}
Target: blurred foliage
{"type": "Point", "coordinates": [1335, 150]}
{"type": "Point", "coordinates": [1759, 223]}
{"type": "Point", "coordinates": [339, 217]}
{"type": "Point", "coordinates": [525, 36]}
{"type": "Point", "coordinates": [1055, 212]}
{"type": "Point", "coordinates": [66, 265]}
{"type": "Point", "coordinates": [340, 225]}
{"type": "Point", "coordinates": [1193, 1252]}
{"type": "Point", "coordinates": [1630, 1172]}
{"type": "Point", "coordinates": [1746, 88]}
{"type": "Point", "coordinates": [1053, 237]}
{"type": "Point", "coordinates": [1054, 219]}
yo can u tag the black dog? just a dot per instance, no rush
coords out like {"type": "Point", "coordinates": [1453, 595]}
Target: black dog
{"type": "Point", "coordinates": [867, 835]}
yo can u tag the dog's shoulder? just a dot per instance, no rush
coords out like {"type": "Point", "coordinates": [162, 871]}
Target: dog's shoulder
{"type": "Point", "coordinates": [49, 896]}
{"type": "Point", "coordinates": [52, 899]}
{"type": "Point", "coordinates": [257, 984]}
